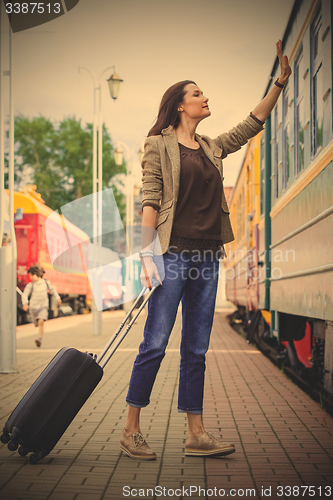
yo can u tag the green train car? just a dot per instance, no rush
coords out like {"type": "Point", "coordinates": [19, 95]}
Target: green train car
{"type": "Point", "coordinates": [279, 270]}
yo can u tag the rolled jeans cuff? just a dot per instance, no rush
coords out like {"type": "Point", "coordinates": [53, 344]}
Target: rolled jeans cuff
{"type": "Point", "coordinates": [137, 405]}
{"type": "Point", "coordinates": [194, 412]}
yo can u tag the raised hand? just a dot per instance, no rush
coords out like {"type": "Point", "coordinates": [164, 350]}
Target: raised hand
{"type": "Point", "coordinates": [284, 64]}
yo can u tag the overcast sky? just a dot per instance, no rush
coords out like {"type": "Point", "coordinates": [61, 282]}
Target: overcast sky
{"type": "Point", "coordinates": [226, 46]}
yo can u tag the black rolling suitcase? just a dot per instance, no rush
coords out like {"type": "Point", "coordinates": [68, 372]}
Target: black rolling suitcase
{"type": "Point", "coordinates": [52, 402]}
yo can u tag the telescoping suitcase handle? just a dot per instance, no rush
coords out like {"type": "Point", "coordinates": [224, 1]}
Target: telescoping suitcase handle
{"type": "Point", "coordinates": [121, 326]}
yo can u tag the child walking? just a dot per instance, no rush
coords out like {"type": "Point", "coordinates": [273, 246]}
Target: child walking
{"type": "Point", "coordinates": [35, 298]}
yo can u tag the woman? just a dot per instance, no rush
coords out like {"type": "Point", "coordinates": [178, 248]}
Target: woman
{"type": "Point", "coordinates": [183, 199]}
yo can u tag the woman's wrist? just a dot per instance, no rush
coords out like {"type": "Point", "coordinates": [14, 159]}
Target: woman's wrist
{"type": "Point", "coordinates": [146, 257]}
{"type": "Point", "coordinates": [146, 253]}
{"type": "Point", "coordinates": [283, 79]}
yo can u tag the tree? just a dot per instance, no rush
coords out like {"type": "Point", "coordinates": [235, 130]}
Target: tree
{"type": "Point", "coordinates": [59, 159]}
{"type": "Point", "coordinates": [35, 149]}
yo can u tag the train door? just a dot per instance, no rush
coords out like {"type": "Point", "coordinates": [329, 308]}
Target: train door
{"type": "Point", "coordinates": [257, 268]}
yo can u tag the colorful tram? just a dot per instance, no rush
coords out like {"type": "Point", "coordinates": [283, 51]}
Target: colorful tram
{"type": "Point", "coordinates": [279, 271]}
{"type": "Point", "coordinates": [37, 242]}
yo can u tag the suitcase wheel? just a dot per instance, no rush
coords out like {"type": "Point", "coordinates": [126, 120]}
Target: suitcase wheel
{"type": "Point", "coordinates": [12, 446]}
{"type": "Point", "coordinates": [35, 457]}
{"type": "Point", "coordinates": [5, 437]}
{"type": "Point", "coordinates": [22, 451]}
{"type": "Point", "coordinates": [14, 441]}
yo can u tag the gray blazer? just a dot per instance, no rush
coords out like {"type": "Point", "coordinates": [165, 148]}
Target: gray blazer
{"type": "Point", "coordinates": [161, 172]}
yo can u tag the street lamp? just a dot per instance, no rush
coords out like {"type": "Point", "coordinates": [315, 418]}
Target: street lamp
{"type": "Point", "coordinates": [114, 86]}
{"type": "Point", "coordinates": [118, 156]}
{"type": "Point", "coordinates": [118, 153]}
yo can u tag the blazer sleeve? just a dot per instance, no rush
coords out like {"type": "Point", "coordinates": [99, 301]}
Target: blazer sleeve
{"type": "Point", "coordinates": [152, 180]}
{"type": "Point", "coordinates": [233, 140]}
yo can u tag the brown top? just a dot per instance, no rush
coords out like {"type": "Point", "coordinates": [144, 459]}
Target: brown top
{"type": "Point", "coordinates": [198, 211]}
{"type": "Point", "coordinates": [178, 244]}
{"type": "Point", "coordinates": [161, 172]}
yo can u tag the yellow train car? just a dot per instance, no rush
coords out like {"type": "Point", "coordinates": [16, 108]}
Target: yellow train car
{"type": "Point", "coordinates": [243, 275]}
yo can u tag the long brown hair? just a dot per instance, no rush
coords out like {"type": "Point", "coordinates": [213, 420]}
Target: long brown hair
{"type": "Point", "coordinates": [168, 111]}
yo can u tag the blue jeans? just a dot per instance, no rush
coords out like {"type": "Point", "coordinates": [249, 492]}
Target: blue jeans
{"type": "Point", "coordinates": [195, 284]}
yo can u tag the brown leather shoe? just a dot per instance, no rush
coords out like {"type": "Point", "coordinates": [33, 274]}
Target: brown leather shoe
{"type": "Point", "coordinates": [207, 445]}
{"type": "Point", "coordinates": [136, 447]}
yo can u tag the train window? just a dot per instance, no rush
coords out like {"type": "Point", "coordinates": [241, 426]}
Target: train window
{"type": "Point", "coordinates": [299, 113]}
{"type": "Point", "coordinates": [317, 40]}
{"type": "Point", "coordinates": [317, 84]}
{"type": "Point", "coordinates": [24, 239]}
{"type": "Point", "coordinates": [286, 138]}
{"type": "Point", "coordinates": [276, 152]}
{"type": "Point", "coordinates": [240, 217]}
{"type": "Point", "coordinates": [244, 212]}
{"type": "Point", "coordinates": [318, 111]}
{"type": "Point", "coordinates": [262, 174]}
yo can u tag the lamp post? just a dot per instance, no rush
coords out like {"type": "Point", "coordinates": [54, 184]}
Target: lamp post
{"type": "Point", "coordinates": [118, 156]}
{"type": "Point", "coordinates": [114, 85]}
{"type": "Point", "coordinates": [8, 254]}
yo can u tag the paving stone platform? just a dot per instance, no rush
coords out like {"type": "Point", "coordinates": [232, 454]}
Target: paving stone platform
{"type": "Point", "coordinates": [283, 439]}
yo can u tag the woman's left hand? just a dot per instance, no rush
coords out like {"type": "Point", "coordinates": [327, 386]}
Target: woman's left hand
{"type": "Point", "coordinates": [284, 64]}
{"type": "Point", "coordinates": [264, 108]}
